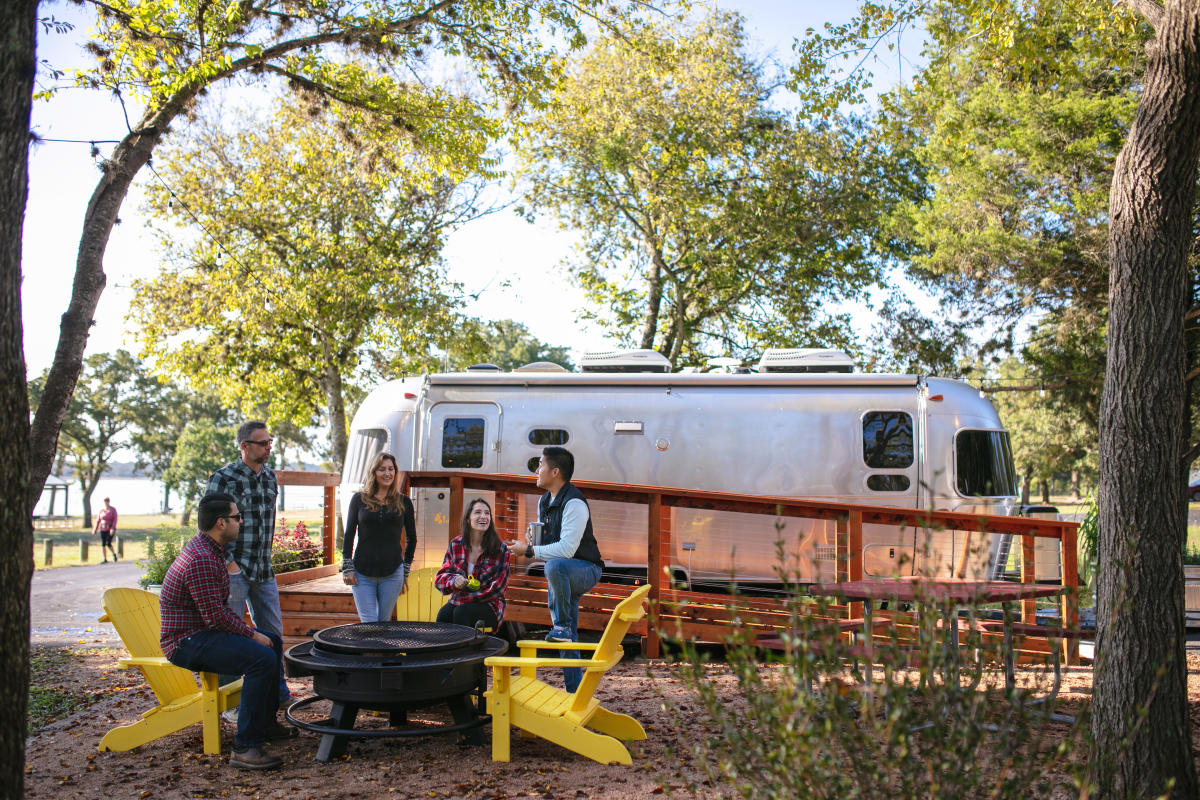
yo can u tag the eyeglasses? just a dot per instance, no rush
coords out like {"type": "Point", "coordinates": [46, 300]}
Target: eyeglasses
{"type": "Point", "coordinates": [260, 442]}
{"type": "Point", "coordinates": [238, 517]}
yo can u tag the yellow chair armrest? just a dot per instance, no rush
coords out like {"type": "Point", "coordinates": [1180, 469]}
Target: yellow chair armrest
{"type": "Point", "coordinates": [540, 644]}
{"type": "Point", "coordinates": [144, 661]}
{"type": "Point", "coordinates": [517, 661]}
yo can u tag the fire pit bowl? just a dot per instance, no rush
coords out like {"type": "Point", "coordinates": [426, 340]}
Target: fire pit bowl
{"type": "Point", "coordinates": [393, 667]}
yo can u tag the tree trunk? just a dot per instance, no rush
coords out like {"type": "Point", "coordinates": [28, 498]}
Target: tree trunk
{"type": "Point", "coordinates": [653, 297]}
{"type": "Point", "coordinates": [1044, 485]}
{"type": "Point", "coordinates": [335, 406]}
{"type": "Point", "coordinates": [1140, 630]}
{"type": "Point", "coordinates": [87, 487]}
{"type": "Point", "coordinates": [1076, 479]}
{"type": "Point", "coordinates": [1026, 486]}
{"type": "Point", "coordinates": [186, 516]}
{"type": "Point", "coordinates": [130, 155]}
{"type": "Point", "coordinates": [18, 34]}
{"type": "Point", "coordinates": [166, 506]}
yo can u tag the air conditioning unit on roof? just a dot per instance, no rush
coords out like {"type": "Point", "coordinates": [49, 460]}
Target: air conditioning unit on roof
{"type": "Point", "coordinates": [624, 361]}
{"type": "Point", "coordinates": [541, 366]}
{"type": "Point", "coordinates": [804, 359]}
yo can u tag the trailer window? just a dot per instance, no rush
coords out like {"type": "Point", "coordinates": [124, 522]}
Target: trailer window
{"type": "Point", "coordinates": [532, 463]}
{"type": "Point", "coordinates": [985, 464]}
{"type": "Point", "coordinates": [364, 446]}
{"type": "Point", "coordinates": [887, 439]}
{"type": "Point", "coordinates": [462, 443]}
{"type": "Point", "coordinates": [548, 436]}
{"type": "Point", "coordinates": [888, 483]}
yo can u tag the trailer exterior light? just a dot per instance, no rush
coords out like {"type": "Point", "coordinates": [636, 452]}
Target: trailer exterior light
{"type": "Point", "coordinates": [411, 396]}
{"type": "Point", "coordinates": [627, 427]}
{"type": "Point", "coordinates": [937, 398]}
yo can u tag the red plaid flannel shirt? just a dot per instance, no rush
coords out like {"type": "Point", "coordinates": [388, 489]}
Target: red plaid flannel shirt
{"type": "Point", "coordinates": [195, 595]}
{"type": "Point", "coordinates": [491, 572]}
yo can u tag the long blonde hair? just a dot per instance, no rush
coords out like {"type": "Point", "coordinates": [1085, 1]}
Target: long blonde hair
{"type": "Point", "coordinates": [371, 486]}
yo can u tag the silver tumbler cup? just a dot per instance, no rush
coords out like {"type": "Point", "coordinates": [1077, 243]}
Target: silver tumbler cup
{"type": "Point", "coordinates": [534, 532]}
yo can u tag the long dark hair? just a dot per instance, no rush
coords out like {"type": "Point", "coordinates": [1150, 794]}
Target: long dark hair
{"type": "Point", "coordinates": [492, 546]}
{"type": "Point", "coordinates": [371, 485]}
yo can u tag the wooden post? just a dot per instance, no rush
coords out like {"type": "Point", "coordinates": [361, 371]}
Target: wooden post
{"type": "Point", "coordinates": [83, 551]}
{"type": "Point", "coordinates": [656, 570]}
{"type": "Point", "coordinates": [47, 551]}
{"type": "Point", "coordinates": [849, 555]}
{"type": "Point", "coordinates": [328, 524]}
{"type": "Point", "coordinates": [119, 544]}
{"type": "Point", "coordinates": [1028, 575]}
{"type": "Point", "coordinates": [1070, 579]}
{"type": "Point", "coordinates": [456, 507]}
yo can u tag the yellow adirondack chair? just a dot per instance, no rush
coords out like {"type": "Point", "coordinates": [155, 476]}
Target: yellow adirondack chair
{"type": "Point", "coordinates": [421, 601]}
{"type": "Point", "coordinates": [134, 613]}
{"type": "Point", "coordinates": [556, 715]}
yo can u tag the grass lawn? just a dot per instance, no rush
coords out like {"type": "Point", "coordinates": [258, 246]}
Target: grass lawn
{"type": "Point", "coordinates": [135, 529]}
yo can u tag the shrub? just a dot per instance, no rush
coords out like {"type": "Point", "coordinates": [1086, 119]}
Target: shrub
{"type": "Point", "coordinates": [804, 723]}
{"type": "Point", "coordinates": [160, 556]}
{"type": "Point", "coordinates": [293, 549]}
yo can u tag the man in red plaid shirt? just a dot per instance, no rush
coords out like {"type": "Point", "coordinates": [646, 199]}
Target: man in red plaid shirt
{"type": "Point", "coordinates": [201, 633]}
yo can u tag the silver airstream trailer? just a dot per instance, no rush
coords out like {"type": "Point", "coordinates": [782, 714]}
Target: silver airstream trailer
{"type": "Point", "coordinates": [803, 425]}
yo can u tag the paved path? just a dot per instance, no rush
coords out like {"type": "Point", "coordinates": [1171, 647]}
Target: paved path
{"type": "Point", "coordinates": [65, 603]}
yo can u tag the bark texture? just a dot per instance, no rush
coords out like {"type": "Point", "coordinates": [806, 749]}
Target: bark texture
{"type": "Point", "coordinates": [1140, 624]}
{"type": "Point", "coordinates": [18, 24]}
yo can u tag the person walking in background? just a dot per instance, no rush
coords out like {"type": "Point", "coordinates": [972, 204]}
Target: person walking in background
{"type": "Point", "coordinates": [383, 522]}
{"type": "Point", "coordinates": [475, 571]}
{"type": "Point", "coordinates": [253, 487]}
{"type": "Point", "coordinates": [573, 563]}
{"type": "Point", "coordinates": [106, 526]}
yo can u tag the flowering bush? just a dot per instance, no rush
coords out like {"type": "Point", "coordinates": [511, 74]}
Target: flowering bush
{"type": "Point", "coordinates": [293, 549]}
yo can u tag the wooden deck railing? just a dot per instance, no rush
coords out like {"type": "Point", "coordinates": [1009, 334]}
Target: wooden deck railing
{"type": "Point", "coordinates": [707, 615]}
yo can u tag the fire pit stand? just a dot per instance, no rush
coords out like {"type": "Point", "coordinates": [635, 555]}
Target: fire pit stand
{"type": "Point", "coordinates": [394, 667]}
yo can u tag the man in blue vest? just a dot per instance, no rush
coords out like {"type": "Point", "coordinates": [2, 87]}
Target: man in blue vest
{"type": "Point", "coordinates": [568, 546]}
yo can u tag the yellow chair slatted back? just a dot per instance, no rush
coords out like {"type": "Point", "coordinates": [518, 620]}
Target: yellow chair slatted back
{"type": "Point", "coordinates": [609, 649]}
{"type": "Point", "coordinates": [422, 600]}
{"type": "Point", "coordinates": [135, 615]}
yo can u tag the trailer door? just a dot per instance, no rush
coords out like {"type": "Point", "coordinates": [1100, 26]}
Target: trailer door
{"type": "Point", "coordinates": [458, 437]}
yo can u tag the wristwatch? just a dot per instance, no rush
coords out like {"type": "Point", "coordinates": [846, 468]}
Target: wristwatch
{"type": "Point", "coordinates": [529, 551]}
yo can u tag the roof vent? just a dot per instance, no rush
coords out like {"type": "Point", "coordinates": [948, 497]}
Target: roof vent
{"type": "Point", "coordinates": [541, 366]}
{"type": "Point", "coordinates": [624, 361]}
{"type": "Point", "coordinates": [483, 368]}
{"type": "Point", "coordinates": [804, 359]}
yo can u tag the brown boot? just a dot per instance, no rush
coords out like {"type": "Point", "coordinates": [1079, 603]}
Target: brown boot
{"type": "Point", "coordinates": [253, 758]}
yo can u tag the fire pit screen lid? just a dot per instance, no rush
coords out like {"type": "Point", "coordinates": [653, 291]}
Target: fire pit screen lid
{"type": "Point", "coordinates": [393, 637]}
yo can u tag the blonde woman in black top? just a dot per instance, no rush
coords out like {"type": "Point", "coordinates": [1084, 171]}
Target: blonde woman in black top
{"type": "Point", "coordinates": [383, 522]}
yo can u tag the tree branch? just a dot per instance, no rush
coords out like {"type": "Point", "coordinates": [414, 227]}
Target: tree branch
{"type": "Point", "coordinates": [1148, 10]}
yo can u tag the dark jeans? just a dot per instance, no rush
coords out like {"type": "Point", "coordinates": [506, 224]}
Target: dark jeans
{"type": "Point", "coordinates": [567, 580]}
{"type": "Point", "coordinates": [468, 614]}
{"type": "Point", "coordinates": [231, 654]}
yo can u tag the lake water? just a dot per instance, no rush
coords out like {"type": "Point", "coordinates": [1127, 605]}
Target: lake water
{"type": "Point", "coordinates": [145, 496]}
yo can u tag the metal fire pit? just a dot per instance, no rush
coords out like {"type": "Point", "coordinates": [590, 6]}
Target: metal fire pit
{"type": "Point", "coordinates": [393, 667]}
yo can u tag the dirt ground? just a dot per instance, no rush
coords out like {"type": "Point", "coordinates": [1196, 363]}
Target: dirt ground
{"type": "Point", "coordinates": [62, 760]}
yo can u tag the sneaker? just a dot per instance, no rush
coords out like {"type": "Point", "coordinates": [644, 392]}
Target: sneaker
{"type": "Point", "coordinates": [557, 634]}
{"type": "Point", "coordinates": [277, 731]}
{"type": "Point", "coordinates": [253, 758]}
{"type": "Point", "coordinates": [230, 715]}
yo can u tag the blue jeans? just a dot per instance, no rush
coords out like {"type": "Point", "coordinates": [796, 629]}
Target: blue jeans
{"type": "Point", "coordinates": [265, 613]}
{"type": "Point", "coordinates": [567, 579]}
{"type": "Point", "coordinates": [229, 653]}
{"type": "Point", "coordinates": [375, 598]}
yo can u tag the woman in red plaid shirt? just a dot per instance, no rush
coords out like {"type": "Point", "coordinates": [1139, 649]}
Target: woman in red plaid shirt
{"type": "Point", "coordinates": [474, 572]}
